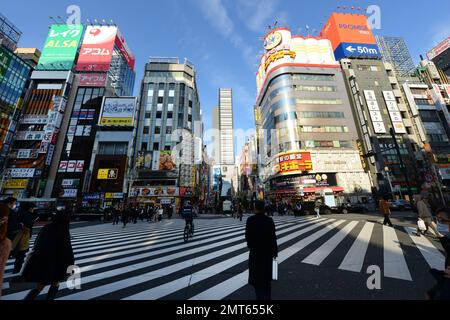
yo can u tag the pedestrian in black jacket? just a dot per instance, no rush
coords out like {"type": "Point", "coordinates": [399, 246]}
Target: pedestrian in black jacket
{"type": "Point", "coordinates": [51, 257]}
{"type": "Point", "coordinates": [262, 242]}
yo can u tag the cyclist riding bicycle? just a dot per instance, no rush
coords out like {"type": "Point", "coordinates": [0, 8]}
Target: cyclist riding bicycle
{"type": "Point", "coordinates": [188, 215]}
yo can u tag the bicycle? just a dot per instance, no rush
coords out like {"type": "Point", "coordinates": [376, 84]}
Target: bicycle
{"type": "Point", "coordinates": [188, 232]}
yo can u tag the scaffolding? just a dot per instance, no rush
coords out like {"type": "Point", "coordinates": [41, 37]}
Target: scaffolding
{"type": "Point", "coordinates": [9, 33]}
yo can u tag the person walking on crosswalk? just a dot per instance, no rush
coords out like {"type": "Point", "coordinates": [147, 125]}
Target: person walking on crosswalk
{"type": "Point", "coordinates": [262, 241]}
{"type": "Point", "coordinates": [51, 257]}
{"type": "Point", "coordinates": [424, 213]}
{"type": "Point", "coordinates": [385, 210]}
{"type": "Point", "coordinates": [317, 207]}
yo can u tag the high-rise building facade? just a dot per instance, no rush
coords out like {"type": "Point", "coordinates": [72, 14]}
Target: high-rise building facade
{"type": "Point", "coordinates": [440, 55]}
{"type": "Point", "coordinates": [170, 130]}
{"type": "Point", "coordinates": [306, 130]}
{"type": "Point", "coordinates": [14, 77]}
{"type": "Point", "coordinates": [387, 139]}
{"type": "Point", "coordinates": [395, 51]}
{"type": "Point", "coordinates": [52, 151]}
{"type": "Point", "coordinates": [226, 127]}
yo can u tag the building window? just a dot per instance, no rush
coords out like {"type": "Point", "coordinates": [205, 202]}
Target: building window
{"type": "Point", "coordinates": [144, 146]}
{"type": "Point", "coordinates": [160, 100]}
{"type": "Point", "coordinates": [159, 115]}
{"type": "Point", "coordinates": [168, 130]}
{"type": "Point", "coordinates": [167, 148]}
{"type": "Point", "coordinates": [169, 115]}
{"type": "Point", "coordinates": [146, 130]}
{"type": "Point", "coordinates": [113, 148]}
{"type": "Point", "coordinates": [156, 146]}
{"type": "Point", "coordinates": [157, 130]}
{"type": "Point", "coordinates": [148, 115]}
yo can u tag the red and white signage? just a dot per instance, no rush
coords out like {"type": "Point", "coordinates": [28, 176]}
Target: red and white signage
{"type": "Point", "coordinates": [440, 48]}
{"type": "Point", "coordinates": [97, 49]}
{"type": "Point", "coordinates": [123, 47]}
{"type": "Point", "coordinates": [97, 80]}
{"type": "Point", "coordinates": [71, 166]}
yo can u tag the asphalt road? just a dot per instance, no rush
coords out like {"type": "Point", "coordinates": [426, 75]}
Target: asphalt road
{"type": "Point", "coordinates": [319, 260]}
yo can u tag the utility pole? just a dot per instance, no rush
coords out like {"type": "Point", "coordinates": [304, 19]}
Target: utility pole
{"type": "Point", "coordinates": [402, 165]}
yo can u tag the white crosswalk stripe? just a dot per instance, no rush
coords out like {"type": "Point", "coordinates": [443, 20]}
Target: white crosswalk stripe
{"type": "Point", "coordinates": [151, 261]}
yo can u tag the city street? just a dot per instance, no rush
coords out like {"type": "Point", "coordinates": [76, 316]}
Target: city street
{"type": "Point", "coordinates": [319, 259]}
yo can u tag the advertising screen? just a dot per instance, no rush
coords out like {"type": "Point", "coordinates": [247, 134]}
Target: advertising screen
{"type": "Point", "coordinates": [118, 112]}
{"type": "Point", "coordinates": [97, 49]}
{"type": "Point", "coordinates": [61, 47]}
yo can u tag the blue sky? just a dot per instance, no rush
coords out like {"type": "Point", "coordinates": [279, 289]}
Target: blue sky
{"type": "Point", "coordinates": [223, 37]}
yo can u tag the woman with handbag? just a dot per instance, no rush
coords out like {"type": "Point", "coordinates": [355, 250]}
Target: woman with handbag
{"type": "Point", "coordinates": [51, 257]}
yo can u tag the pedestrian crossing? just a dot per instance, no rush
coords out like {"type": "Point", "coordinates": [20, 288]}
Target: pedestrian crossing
{"type": "Point", "coordinates": [151, 261]}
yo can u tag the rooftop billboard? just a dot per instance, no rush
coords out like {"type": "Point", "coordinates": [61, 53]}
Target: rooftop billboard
{"type": "Point", "coordinates": [351, 36]}
{"type": "Point", "coordinates": [61, 47]}
{"type": "Point", "coordinates": [97, 49]}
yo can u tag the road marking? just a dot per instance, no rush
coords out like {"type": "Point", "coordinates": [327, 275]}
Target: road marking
{"type": "Point", "coordinates": [354, 260]}
{"type": "Point", "coordinates": [168, 288]}
{"type": "Point", "coordinates": [318, 256]}
{"type": "Point", "coordinates": [432, 255]}
{"type": "Point", "coordinates": [229, 286]}
{"type": "Point", "coordinates": [395, 265]}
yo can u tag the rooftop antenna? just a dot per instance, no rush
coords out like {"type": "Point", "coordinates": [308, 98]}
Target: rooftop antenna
{"type": "Point", "coordinates": [54, 21]}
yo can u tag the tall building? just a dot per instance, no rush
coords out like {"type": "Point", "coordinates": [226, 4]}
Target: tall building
{"type": "Point", "coordinates": [53, 149]}
{"type": "Point", "coordinates": [101, 115]}
{"type": "Point", "coordinates": [215, 136]}
{"type": "Point", "coordinates": [226, 127]}
{"type": "Point", "coordinates": [170, 130]}
{"type": "Point", "coordinates": [395, 51]}
{"type": "Point", "coordinates": [307, 138]}
{"type": "Point", "coordinates": [9, 34]}
{"type": "Point", "coordinates": [428, 98]}
{"type": "Point", "coordinates": [14, 77]}
{"type": "Point", "coordinates": [440, 55]}
{"type": "Point", "coordinates": [227, 153]}
{"type": "Point", "coordinates": [387, 139]}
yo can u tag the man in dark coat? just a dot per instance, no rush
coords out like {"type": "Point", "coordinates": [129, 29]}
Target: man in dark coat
{"type": "Point", "coordinates": [51, 257]}
{"type": "Point", "coordinates": [262, 242]}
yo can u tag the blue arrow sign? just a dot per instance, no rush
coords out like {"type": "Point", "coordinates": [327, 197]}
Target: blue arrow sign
{"type": "Point", "coordinates": [357, 50]}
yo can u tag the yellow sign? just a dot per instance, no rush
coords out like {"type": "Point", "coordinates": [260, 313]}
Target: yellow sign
{"type": "Point", "coordinates": [16, 184]}
{"type": "Point", "coordinates": [108, 174]}
{"type": "Point", "coordinates": [116, 122]}
{"type": "Point", "coordinates": [361, 154]}
{"type": "Point", "coordinates": [278, 56]}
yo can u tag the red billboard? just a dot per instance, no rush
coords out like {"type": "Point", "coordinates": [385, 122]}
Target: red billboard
{"type": "Point", "coordinates": [439, 49]}
{"type": "Point", "coordinates": [348, 28]}
{"type": "Point", "coordinates": [97, 49]}
{"type": "Point", "coordinates": [126, 52]}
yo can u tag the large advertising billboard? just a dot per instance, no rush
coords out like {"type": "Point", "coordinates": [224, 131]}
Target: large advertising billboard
{"type": "Point", "coordinates": [293, 163]}
{"type": "Point", "coordinates": [351, 36]}
{"type": "Point", "coordinates": [118, 112]}
{"type": "Point", "coordinates": [97, 49]}
{"type": "Point", "coordinates": [123, 47]}
{"type": "Point", "coordinates": [61, 47]}
{"type": "Point", "coordinates": [440, 48]}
